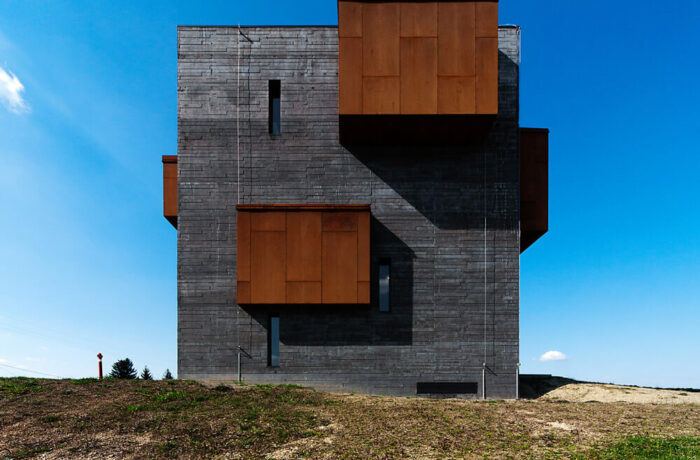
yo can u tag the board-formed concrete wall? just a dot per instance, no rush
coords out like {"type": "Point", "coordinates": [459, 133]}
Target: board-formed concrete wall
{"type": "Point", "coordinates": [446, 217]}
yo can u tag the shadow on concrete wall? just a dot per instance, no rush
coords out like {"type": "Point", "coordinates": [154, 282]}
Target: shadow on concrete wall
{"type": "Point", "coordinates": [444, 184]}
{"type": "Point", "coordinates": [340, 325]}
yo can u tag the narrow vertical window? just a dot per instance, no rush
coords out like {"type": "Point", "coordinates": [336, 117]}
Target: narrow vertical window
{"type": "Point", "coordinates": [384, 280]}
{"type": "Point", "coordinates": [273, 348]}
{"type": "Point", "coordinates": [274, 108]}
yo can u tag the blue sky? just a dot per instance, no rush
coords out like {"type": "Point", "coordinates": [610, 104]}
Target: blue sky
{"type": "Point", "coordinates": [88, 263]}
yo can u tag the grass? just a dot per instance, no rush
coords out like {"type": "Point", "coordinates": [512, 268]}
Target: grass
{"type": "Point", "coordinates": [646, 447]}
{"type": "Point", "coordinates": [166, 419]}
{"type": "Point", "coordinates": [166, 446]}
{"type": "Point", "coordinates": [18, 386]}
{"type": "Point", "coordinates": [28, 453]}
{"type": "Point", "coordinates": [85, 381]}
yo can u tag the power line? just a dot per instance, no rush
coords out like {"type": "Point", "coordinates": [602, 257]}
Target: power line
{"type": "Point", "coordinates": [29, 370]}
{"type": "Point", "coordinates": [19, 328]}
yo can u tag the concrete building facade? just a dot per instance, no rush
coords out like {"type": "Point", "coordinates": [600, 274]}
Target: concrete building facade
{"type": "Point", "coordinates": [444, 226]}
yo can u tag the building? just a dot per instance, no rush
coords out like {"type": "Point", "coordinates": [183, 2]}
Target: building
{"type": "Point", "coordinates": [351, 202]}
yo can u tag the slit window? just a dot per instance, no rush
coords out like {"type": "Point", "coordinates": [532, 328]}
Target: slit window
{"type": "Point", "coordinates": [273, 348]}
{"type": "Point", "coordinates": [384, 286]}
{"type": "Point", "coordinates": [274, 108]}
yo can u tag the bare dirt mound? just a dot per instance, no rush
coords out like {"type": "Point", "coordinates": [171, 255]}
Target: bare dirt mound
{"type": "Point", "coordinates": [583, 392]}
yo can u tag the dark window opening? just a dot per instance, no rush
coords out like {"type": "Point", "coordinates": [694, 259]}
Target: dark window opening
{"type": "Point", "coordinates": [273, 348]}
{"type": "Point", "coordinates": [274, 107]}
{"type": "Point", "coordinates": [384, 286]}
{"type": "Point", "coordinates": [446, 388]}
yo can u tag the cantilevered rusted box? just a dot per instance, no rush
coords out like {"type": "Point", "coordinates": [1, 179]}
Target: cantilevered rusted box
{"type": "Point", "coordinates": [534, 185]}
{"type": "Point", "coordinates": [170, 188]}
{"type": "Point", "coordinates": [410, 69]}
{"type": "Point", "coordinates": [303, 254]}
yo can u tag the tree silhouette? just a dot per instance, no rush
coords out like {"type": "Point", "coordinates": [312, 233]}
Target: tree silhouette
{"type": "Point", "coordinates": [146, 374]}
{"type": "Point", "coordinates": [167, 375]}
{"type": "Point", "coordinates": [123, 369]}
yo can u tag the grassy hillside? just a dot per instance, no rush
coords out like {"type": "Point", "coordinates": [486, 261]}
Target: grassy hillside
{"type": "Point", "coordinates": [165, 419]}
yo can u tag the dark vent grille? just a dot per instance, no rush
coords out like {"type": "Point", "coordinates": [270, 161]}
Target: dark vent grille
{"type": "Point", "coordinates": [446, 388]}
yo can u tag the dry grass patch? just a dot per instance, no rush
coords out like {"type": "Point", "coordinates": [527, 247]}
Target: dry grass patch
{"type": "Point", "coordinates": [165, 419]}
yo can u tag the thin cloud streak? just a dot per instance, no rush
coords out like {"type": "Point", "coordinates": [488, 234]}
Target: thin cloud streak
{"type": "Point", "coordinates": [11, 90]}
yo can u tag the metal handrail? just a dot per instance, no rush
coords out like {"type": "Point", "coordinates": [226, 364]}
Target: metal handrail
{"type": "Point", "coordinates": [241, 350]}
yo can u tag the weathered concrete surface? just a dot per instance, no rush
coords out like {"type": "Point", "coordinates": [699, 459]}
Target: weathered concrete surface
{"type": "Point", "coordinates": [446, 217]}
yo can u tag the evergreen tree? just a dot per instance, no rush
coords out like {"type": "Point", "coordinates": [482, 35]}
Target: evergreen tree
{"type": "Point", "coordinates": [123, 369]}
{"type": "Point", "coordinates": [146, 374]}
{"type": "Point", "coordinates": [167, 375]}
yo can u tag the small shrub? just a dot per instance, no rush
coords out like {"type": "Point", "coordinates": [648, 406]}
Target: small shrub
{"type": "Point", "coordinates": [131, 408]}
{"type": "Point", "coordinates": [167, 446]}
{"type": "Point", "coordinates": [222, 388]}
{"type": "Point", "coordinates": [167, 375]}
{"type": "Point", "coordinates": [51, 418]}
{"type": "Point", "coordinates": [123, 369]}
{"type": "Point", "coordinates": [146, 374]}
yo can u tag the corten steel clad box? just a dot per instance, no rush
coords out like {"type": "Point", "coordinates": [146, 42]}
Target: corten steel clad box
{"type": "Point", "coordinates": [418, 57]}
{"type": "Point", "coordinates": [417, 71]}
{"type": "Point", "coordinates": [170, 188]}
{"type": "Point", "coordinates": [303, 254]}
{"type": "Point", "coordinates": [534, 185]}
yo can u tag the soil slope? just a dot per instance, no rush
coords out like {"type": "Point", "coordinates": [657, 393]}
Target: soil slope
{"type": "Point", "coordinates": [582, 392]}
{"type": "Point", "coordinates": [181, 419]}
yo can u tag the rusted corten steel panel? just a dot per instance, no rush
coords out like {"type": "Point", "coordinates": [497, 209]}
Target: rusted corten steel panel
{"type": "Point", "coordinates": [381, 95]}
{"type": "Point", "coordinates": [350, 19]}
{"type": "Point", "coordinates": [304, 246]}
{"type": "Point", "coordinates": [486, 75]}
{"type": "Point", "coordinates": [268, 257]}
{"type": "Point", "coordinates": [534, 185]}
{"type": "Point", "coordinates": [303, 254]}
{"type": "Point", "coordinates": [350, 65]}
{"type": "Point", "coordinates": [456, 38]}
{"type": "Point", "coordinates": [415, 57]}
{"type": "Point", "coordinates": [339, 283]}
{"type": "Point", "coordinates": [380, 39]}
{"type": "Point", "coordinates": [456, 95]}
{"type": "Point", "coordinates": [243, 252]}
{"type": "Point", "coordinates": [418, 75]}
{"type": "Point", "coordinates": [419, 19]}
{"type": "Point", "coordinates": [170, 188]}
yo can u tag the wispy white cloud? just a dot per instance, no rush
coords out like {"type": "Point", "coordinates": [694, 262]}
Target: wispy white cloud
{"type": "Point", "coordinates": [11, 90]}
{"type": "Point", "coordinates": [554, 355]}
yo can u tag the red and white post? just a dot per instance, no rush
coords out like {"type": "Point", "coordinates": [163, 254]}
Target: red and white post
{"type": "Point", "coordinates": [99, 356]}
